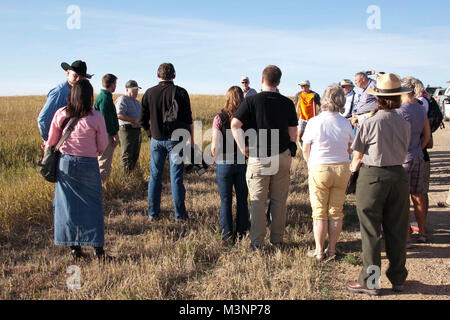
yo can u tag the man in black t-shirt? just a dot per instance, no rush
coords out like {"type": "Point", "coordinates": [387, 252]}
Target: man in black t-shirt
{"type": "Point", "coordinates": [271, 123]}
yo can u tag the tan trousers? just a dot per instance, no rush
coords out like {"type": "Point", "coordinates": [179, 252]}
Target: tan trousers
{"type": "Point", "coordinates": [105, 160]}
{"type": "Point", "coordinates": [327, 184]}
{"type": "Point", "coordinates": [268, 177]}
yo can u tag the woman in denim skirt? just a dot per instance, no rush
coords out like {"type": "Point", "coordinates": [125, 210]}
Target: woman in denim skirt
{"type": "Point", "coordinates": [230, 170]}
{"type": "Point", "coordinates": [78, 190]}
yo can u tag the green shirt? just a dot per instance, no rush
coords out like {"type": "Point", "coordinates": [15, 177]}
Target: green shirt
{"type": "Point", "coordinates": [105, 104]}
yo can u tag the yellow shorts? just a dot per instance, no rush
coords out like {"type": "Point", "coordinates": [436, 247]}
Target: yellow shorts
{"type": "Point", "coordinates": [327, 184]}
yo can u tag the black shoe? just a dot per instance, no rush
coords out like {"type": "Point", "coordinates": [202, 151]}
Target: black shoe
{"type": "Point", "coordinates": [76, 252]}
{"type": "Point", "coordinates": [154, 218]}
{"type": "Point", "coordinates": [182, 219]}
{"type": "Point", "coordinates": [99, 253]}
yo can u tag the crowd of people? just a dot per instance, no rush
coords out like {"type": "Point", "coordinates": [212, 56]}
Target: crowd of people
{"type": "Point", "coordinates": [382, 133]}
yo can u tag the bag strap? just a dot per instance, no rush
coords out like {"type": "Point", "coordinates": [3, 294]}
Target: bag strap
{"type": "Point", "coordinates": [174, 90]}
{"type": "Point", "coordinates": [67, 133]}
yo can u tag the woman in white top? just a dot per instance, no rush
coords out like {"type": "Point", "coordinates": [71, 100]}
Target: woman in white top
{"type": "Point", "coordinates": [326, 148]}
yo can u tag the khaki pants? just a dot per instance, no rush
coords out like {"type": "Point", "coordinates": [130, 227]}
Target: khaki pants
{"type": "Point", "coordinates": [105, 160]}
{"type": "Point", "coordinates": [327, 184]}
{"type": "Point", "coordinates": [268, 176]}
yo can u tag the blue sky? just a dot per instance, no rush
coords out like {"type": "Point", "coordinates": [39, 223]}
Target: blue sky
{"type": "Point", "coordinates": [213, 43]}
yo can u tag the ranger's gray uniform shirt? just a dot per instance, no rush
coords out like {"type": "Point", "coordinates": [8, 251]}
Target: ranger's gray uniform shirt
{"type": "Point", "coordinates": [130, 108]}
{"type": "Point", "coordinates": [383, 139]}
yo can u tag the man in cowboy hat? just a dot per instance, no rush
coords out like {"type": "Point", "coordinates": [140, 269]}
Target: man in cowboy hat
{"type": "Point", "coordinates": [57, 97]}
{"type": "Point", "coordinates": [129, 114]}
{"type": "Point", "coordinates": [382, 192]}
{"type": "Point", "coordinates": [350, 96]}
{"type": "Point", "coordinates": [307, 104]}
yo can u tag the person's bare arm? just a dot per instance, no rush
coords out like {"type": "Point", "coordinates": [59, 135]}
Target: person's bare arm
{"type": "Point", "coordinates": [128, 119]}
{"type": "Point", "coordinates": [238, 134]}
{"type": "Point", "coordinates": [214, 142]}
{"type": "Point", "coordinates": [356, 162]}
{"type": "Point", "coordinates": [293, 133]}
{"type": "Point", "coordinates": [426, 134]}
{"type": "Point", "coordinates": [306, 151]}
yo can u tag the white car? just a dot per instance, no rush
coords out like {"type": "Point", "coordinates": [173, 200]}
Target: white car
{"type": "Point", "coordinates": [446, 105]}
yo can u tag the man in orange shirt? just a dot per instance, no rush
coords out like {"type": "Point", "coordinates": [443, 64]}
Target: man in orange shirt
{"type": "Point", "coordinates": [307, 104]}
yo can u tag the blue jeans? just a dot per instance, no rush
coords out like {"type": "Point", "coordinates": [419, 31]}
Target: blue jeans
{"type": "Point", "coordinates": [229, 175]}
{"type": "Point", "coordinates": [159, 150]}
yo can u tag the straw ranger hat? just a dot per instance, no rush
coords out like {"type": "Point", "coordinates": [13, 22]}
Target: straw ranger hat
{"type": "Point", "coordinates": [388, 84]}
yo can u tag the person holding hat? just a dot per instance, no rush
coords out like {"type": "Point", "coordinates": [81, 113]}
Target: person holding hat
{"type": "Point", "coordinates": [366, 102]}
{"type": "Point", "coordinates": [248, 92]}
{"type": "Point", "coordinates": [129, 115]}
{"type": "Point", "coordinates": [307, 104]}
{"type": "Point", "coordinates": [351, 98]}
{"type": "Point", "coordinates": [57, 97]}
{"type": "Point", "coordinates": [382, 189]}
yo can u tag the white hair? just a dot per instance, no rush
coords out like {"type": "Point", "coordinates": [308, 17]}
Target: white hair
{"type": "Point", "coordinates": [333, 99]}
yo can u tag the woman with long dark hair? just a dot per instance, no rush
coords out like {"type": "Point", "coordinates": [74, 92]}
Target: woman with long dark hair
{"type": "Point", "coordinates": [78, 190]}
{"type": "Point", "coordinates": [231, 169]}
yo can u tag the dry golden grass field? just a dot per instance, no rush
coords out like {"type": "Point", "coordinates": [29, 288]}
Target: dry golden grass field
{"type": "Point", "coordinates": [152, 260]}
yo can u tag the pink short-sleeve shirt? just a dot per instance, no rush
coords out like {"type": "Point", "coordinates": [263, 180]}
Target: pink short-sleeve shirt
{"type": "Point", "coordinates": [88, 139]}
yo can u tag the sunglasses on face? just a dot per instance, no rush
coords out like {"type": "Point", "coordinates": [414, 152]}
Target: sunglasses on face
{"type": "Point", "coordinates": [244, 82]}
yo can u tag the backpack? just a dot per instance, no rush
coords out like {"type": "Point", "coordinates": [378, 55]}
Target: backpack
{"type": "Point", "coordinates": [435, 116]}
{"type": "Point", "coordinates": [170, 117]}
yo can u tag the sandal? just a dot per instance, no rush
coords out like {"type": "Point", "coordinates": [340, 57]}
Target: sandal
{"type": "Point", "coordinates": [318, 256]}
{"type": "Point", "coordinates": [422, 238]}
{"type": "Point", "coordinates": [331, 254]}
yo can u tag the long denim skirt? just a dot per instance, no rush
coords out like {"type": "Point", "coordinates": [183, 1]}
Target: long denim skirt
{"type": "Point", "coordinates": [78, 202]}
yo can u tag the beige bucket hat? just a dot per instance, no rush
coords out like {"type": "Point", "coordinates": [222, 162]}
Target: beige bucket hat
{"type": "Point", "coordinates": [388, 84]}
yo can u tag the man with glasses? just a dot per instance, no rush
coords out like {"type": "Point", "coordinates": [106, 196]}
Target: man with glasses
{"type": "Point", "coordinates": [248, 92]}
{"type": "Point", "coordinates": [307, 104]}
{"type": "Point", "coordinates": [57, 97]}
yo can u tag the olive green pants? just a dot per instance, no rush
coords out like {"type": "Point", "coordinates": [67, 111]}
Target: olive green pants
{"type": "Point", "coordinates": [130, 144]}
{"type": "Point", "coordinates": [382, 199]}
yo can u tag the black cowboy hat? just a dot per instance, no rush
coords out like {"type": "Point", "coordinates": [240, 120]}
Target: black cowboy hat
{"type": "Point", "coordinates": [79, 67]}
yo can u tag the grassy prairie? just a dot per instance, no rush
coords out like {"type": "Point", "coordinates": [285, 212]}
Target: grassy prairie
{"type": "Point", "coordinates": [153, 260]}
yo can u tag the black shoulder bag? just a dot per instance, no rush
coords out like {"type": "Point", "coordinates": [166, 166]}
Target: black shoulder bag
{"type": "Point", "coordinates": [51, 154]}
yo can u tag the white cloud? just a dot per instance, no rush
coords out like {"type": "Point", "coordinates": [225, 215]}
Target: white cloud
{"type": "Point", "coordinates": [218, 54]}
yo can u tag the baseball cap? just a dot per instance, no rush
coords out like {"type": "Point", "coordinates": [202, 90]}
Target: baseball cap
{"type": "Point", "coordinates": [305, 83]}
{"type": "Point", "coordinates": [132, 85]}
{"type": "Point", "coordinates": [245, 79]}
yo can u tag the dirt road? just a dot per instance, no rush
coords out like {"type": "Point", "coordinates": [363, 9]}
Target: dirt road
{"type": "Point", "coordinates": [428, 264]}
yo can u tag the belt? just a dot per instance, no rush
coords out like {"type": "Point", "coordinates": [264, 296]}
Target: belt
{"type": "Point", "coordinates": [128, 126]}
{"type": "Point", "coordinates": [381, 167]}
